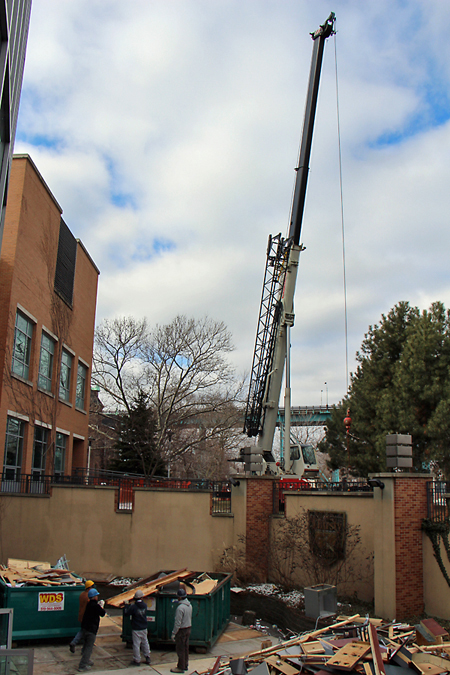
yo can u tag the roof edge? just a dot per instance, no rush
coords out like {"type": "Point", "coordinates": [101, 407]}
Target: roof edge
{"type": "Point", "coordinates": [39, 175]}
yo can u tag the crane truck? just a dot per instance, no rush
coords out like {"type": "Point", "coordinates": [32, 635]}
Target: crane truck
{"type": "Point", "coordinates": [276, 315]}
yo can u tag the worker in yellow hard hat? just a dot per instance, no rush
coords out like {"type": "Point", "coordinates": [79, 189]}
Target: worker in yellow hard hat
{"type": "Point", "coordinates": [84, 599]}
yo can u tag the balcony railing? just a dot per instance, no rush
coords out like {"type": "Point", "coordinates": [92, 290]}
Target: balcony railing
{"type": "Point", "coordinates": [125, 484]}
{"type": "Point", "coordinates": [437, 505]}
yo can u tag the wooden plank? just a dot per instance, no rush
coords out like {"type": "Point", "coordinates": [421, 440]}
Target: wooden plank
{"type": "Point", "coordinates": [281, 666]}
{"type": "Point", "coordinates": [434, 660]}
{"type": "Point", "coordinates": [348, 656]}
{"type": "Point", "coordinates": [376, 653]}
{"type": "Point", "coordinates": [147, 589]}
{"type": "Point", "coordinates": [313, 647]}
{"type": "Point", "coordinates": [432, 626]}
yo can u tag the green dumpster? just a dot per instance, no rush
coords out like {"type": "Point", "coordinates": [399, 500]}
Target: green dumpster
{"type": "Point", "coordinates": [42, 611]}
{"type": "Point", "coordinates": [210, 613]}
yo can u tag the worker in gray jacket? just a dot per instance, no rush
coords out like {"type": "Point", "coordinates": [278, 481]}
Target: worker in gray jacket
{"type": "Point", "coordinates": [181, 631]}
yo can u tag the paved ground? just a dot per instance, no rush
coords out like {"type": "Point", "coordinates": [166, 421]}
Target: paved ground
{"type": "Point", "coordinates": [111, 654]}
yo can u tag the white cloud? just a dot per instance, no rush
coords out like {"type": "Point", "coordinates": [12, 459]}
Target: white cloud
{"type": "Point", "coordinates": [178, 122]}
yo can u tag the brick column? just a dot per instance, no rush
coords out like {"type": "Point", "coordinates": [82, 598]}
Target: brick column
{"type": "Point", "coordinates": [258, 513]}
{"type": "Point", "coordinates": [410, 508]}
{"type": "Point", "coordinates": [398, 513]}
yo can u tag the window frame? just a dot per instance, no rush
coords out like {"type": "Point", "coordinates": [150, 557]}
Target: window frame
{"type": "Point", "coordinates": [16, 468]}
{"type": "Point", "coordinates": [21, 366]}
{"type": "Point", "coordinates": [38, 471]}
{"type": "Point", "coordinates": [45, 379]}
{"type": "Point", "coordinates": [65, 395]}
{"type": "Point", "coordinates": [60, 455]}
{"type": "Point", "coordinates": [82, 369]}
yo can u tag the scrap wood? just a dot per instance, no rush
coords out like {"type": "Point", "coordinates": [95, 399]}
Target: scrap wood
{"type": "Point", "coordinates": [348, 656]}
{"type": "Point", "coordinates": [281, 666]}
{"type": "Point", "coordinates": [147, 588]}
{"type": "Point", "coordinates": [376, 653]}
{"type": "Point", "coordinates": [420, 658]}
{"type": "Point", "coordinates": [26, 564]}
{"type": "Point", "coordinates": [300, 640]}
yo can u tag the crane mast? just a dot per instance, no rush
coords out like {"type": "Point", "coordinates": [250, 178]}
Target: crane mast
{"type": "Point", "coordinates": [276, 314]}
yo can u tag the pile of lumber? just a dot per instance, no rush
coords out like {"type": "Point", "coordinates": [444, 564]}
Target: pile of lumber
{"type": "Point", "coordinates": [352, 644]}
{"type": "Point", "coordinates": [200, 584]}
{"type": "Point", "coordinates": [35, 573]}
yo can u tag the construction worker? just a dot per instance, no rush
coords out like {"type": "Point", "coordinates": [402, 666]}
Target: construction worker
{"type": "Point", "coordinates": [82, 607]}
{"type": "Point", "coordinates": [138, 613]}
{"type": "Point", "coordinates": [182, 630]}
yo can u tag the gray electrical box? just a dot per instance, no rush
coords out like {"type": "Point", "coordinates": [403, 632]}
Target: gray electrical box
{"type": "Point", "coordinates": [320, 601]}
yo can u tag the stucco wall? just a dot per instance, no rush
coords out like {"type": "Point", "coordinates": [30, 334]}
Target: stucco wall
{"type": "Point", "coordinates": [436, 591]}
{"type": "Point", "coordinates": [359, 510]}
{"type": "Point", "coordinates": [167, 530]}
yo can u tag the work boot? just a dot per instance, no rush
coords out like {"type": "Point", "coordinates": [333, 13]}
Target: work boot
{"type": "Point", "coordinates": [72, 648]}
{"type": "Point", "coordinates": [135, 663]}
{"type": "Point", "coordinates": [148, 660]}
{"type": "Point", "coordinates": [176, 670]}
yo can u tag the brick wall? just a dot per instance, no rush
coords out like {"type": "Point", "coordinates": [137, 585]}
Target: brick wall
{"type": "Point", "coordinates": [258, 513]}
{"type": "Point", "coordinates": [410, 508]}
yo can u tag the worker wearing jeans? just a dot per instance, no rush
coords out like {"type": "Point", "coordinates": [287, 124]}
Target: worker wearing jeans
{"type": "Point", "coordinates": [138, 614]}
{"type": "Point", "coordinates": [181, 631]}
{"type": "Point", "coordinates": [89, 628]}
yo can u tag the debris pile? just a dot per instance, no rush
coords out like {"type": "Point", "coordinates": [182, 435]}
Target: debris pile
{"type": "Point", "coordinates": [354, 644]}
{"type": "Point", "coordinates": [17, 573]}
{"type": "Point", "coordinates": [195, 583]}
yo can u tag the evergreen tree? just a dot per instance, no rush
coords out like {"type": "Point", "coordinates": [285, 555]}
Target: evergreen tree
{"type": "Point", "coordinates": [401, 385]}
{"type": "Point", "coordinates": [136, 447]}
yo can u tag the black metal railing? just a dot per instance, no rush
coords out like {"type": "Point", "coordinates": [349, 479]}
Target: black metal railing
{"type": "Point", "coordinates": [311, 485]}
{"type": "Point", "coordinates": [26, 484]}
{"type": "Point", "coordinates": [437, 505]}
{"type": "Point", "coordinates": [125, 484]}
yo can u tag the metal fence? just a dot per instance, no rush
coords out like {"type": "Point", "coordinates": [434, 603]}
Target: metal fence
{"type": "Point", "coordinates": [285, 485]}
{"type": "Point", "coordinates": [125, 484]}
{"type": "Point", "coordinates": [438, 492]}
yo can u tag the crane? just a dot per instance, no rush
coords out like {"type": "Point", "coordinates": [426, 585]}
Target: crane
{"type": "Point", "coordinates": [276, 315]}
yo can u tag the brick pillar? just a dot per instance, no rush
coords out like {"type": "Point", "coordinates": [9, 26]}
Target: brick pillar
{"type": "Point", "coordinates": [410, 508]}
{"type": "Point", "coordinates": [258, 514]}
{"type": "Point", "coordinates": [398, 513]}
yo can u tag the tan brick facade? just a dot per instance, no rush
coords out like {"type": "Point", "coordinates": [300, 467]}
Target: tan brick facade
{"type": "Point", "coordinates": [27, 284]}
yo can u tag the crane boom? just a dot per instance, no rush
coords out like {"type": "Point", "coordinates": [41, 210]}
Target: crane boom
{"type": "Point", "coordinates": [277, 300]}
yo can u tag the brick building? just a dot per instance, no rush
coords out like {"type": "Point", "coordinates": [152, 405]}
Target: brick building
{"type": "Point", "coordinates": [14, 23]}
{"type": "Point", "coordinates": [48, 291]}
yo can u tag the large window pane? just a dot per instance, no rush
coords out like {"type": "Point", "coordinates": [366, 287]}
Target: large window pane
{"type": "Point", "coordinates": [13, 449]}
{"type": "Point", "coordinates": [46, 362]}
{"type": "Point", "coordinates": [64, 380]}
{"type": "Point", "coordinates": [22, 346]}
{"type": "Point", "coordinates": [39, 451]}
{"type": "Point", "coordinates": [60, 454]}
{"type": "Point", "coordinates": [81, 385]}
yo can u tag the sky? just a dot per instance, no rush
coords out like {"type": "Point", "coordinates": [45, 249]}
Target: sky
{"type": "Point", "coordinates": [168, 131]}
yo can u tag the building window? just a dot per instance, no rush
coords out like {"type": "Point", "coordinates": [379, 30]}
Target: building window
{"type": "Point", "coordinates": [39, 452]}
{"type": "Point", "coordinates": [13, 449]}
{"type": "Point", "coordinates": [65, 263]}
{"type": "Point", "coordinates": [22, 346]}
{"type": "Point", "coordinates": [81, 385]}
{"type": "Point", "coordinates": [46, 362]}
{"type": "Point", "coordinates": [64, 380]}
{"type": "Point", "coordinates": [60, 454]}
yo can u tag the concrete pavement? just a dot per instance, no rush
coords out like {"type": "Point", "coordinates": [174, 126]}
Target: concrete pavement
{"type": "Point", "coordinates": [111, 654]}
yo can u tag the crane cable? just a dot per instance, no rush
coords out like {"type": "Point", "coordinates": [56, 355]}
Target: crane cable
{"type": "Point", "coordinates": [342, 214]}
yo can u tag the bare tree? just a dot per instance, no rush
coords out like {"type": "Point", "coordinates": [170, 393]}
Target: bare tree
{"type": "Point", "coordinates": [182, 369]}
